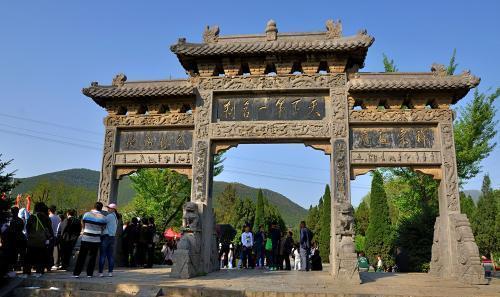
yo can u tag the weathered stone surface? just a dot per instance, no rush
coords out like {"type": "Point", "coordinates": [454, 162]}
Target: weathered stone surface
{"type": "Point", "coordinates": [228, 100]}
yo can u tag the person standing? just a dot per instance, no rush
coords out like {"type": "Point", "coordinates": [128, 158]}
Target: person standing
{"type": "Point", "coordinates": [380, 264]}
{"type": "Point", "coordinates": [275, 235]}
{"type": "Point", "coordinates": [305, 247]}
{"type": "Point", "coordinates": [402, 260]}
{"type": "Point", "coordinates": [296, 257]}
{"type": "Point", "coordinates": [108, 241]}
{"type": "Point", "coordinates": [70, 230]}
{"type": "Point", "coordinates": [145, 240]}
{"type": "Point", "coordinates": [260, 239]}
{"type": "Point", "coordinates": [93, 225]}
{"type": "Point", "coordinates": [151, 244]}
{"type": "Point", "coordinates": [130, 239]}
{"type": "Point", "coordinates": [363, 264]}
{"type": "Point", "coordinates": [53, 246]}
{"type": "Point", "coordinates": [39, 234]}
{"type": "Point", "coordinates": [287, 250]}
{"type": "Point", "coordinates": [15, 242]}
{"type": "Point", "coordinates": [246, 247]}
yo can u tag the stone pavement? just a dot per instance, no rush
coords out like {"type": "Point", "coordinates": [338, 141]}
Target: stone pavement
{"type": "Point", "coordinates": [256, 283]}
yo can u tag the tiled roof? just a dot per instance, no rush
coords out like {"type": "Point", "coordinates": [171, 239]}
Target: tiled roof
{"type": "Point", "coordinates": [139, 89]}
{"type": "Point", "coordinates": [411, 81]}
{"type": "Point", "coordinates": [256, 46]}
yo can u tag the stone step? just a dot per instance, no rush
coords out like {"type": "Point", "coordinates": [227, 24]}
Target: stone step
{"type": "Point", "coordinates": [55, 292]}
{"type": "Point", "coordinates": [81, 287]}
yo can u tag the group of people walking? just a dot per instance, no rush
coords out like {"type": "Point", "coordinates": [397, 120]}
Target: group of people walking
{"type": "Point", "coordinates": [44, 240]}
{"type": "Point", "coordinates": [274, 250]}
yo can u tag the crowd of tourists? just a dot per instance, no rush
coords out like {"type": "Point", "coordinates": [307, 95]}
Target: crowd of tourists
{"type": "Point", "coordinates": [272, 250]}
{"type": "Point", "coordinates": [44, 240]}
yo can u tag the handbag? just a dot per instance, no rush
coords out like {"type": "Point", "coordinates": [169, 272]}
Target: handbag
{"type": "Point", "coordinates": [269, 244]}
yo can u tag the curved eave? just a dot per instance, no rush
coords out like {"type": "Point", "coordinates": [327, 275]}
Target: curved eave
{"type": "Point", "coordinates": [344, 44]}
{"type": "Point", "coordinates": [101, 94]}
{"type": "Point", "coordinates": [428, 81]}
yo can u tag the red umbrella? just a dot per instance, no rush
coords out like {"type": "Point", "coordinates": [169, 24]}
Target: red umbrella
{"type": "Point", "coordinates": [171, 234]}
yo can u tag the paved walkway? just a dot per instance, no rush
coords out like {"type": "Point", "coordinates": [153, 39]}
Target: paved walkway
{"type": "Point", "coordinates": [271, 283]}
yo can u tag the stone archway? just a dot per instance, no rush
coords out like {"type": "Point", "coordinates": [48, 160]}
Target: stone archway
{"type": "Point", "coordinates": [314, 95]}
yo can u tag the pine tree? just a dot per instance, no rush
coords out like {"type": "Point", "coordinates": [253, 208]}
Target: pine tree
{"type": "Point", "coordinates": [259, 211]}
{"type": "Point", "coordinates": [361, 218]}
{"type": "Point", "coordinates": [378, 234]}
{"type": "Point", "coordinates": [7, 182]}
{"type": "Point", "coordinates": [389, 65]}
{"type": "Point", "coordinates": [324, 236]}
{"type": "Point", "coordinates": [225, 205]}
{"type": "Point", "coordinates": [467, 205]}
{"type": "Point", "coordinates": [486, 186]}
{"type": "Point", "coordinates": [484, 220]}
{"type": "Point", "coordinates": [452, 66]}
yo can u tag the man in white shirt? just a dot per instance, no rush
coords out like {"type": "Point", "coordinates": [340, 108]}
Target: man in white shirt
{"type": "Point", "coordinates": [246, 247]}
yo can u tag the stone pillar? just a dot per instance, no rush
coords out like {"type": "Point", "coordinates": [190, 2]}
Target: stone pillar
{"type": "Point", "coordinates": [454, 251]}
{"type": "Point", "coordinates": [108, 185]}
{"type": "Point", "coordinates": [343, 260]}
{"type": "Point", "coordinates": [203, 254]}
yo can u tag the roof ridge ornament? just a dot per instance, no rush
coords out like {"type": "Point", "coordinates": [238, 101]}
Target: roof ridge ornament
{"type": "Point", "coordinates": [363, 32]}
{"type": "Point", "coordinates": [271, 30]}
{"type": "Point", "coordinates": [333, 29]}
{"type": "Point", "coordinates": [439, 70]}
{"type": "Point", "coordinates": [211, 34]}
{"type": "Point", "coordinates": [119, 80]}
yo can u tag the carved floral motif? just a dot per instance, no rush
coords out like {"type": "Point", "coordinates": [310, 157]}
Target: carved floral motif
{"type": "Point", "coordinates": [340, 171]}
{"type": "Point", "coordinates": [272, 82]}
{"type": "Point", "coordinates": [450, 167]}
{"type": "Point", "coordinates": [411, 115]}
{"type": "Point", "coordinates": [200, 175]}
{"type": "Point", "coordinates": [106, 177]}
{"type": "Point", "coordinates": [176, 119]}
{"type": "Point", "coordinates": [316, 129]}
{"type": "Point", "coordinates": [202, 115]}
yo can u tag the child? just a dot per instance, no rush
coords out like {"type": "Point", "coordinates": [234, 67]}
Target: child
{"type": "Point", "coordinates": [296, 256]}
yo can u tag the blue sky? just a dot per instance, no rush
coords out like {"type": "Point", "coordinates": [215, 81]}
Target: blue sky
{"type": "Point", "coordinates": [50, 50]}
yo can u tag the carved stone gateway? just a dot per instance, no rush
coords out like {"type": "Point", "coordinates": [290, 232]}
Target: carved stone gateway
{"type": "Point", "coordinates": [290, 87]}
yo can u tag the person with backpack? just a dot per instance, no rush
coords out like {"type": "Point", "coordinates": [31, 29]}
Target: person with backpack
{"type": "Point", "coordinates": [69, 229]}
{"type": "Point", "coordinates": [305, 246]}
{"type": "Point", "coordinates": [93, 224]}
{"type": "Point", "coordinates": [39, 234]}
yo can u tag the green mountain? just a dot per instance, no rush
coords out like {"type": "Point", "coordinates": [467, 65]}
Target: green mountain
{"type": "Point", "coordinates": [89, 179]}
{"type": "Point", "coordinates": [291, 212]}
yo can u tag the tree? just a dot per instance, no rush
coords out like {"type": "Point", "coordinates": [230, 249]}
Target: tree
{"type": "Point", "coordinates": [474, 133]}
{"type": "Point", "coordinates": [361, 218]}
{"type": "Point", "coordinates": [160, 194]}
{"type": "Point", "coordinates": [259, 210]}
{"type": "Point", "coordinates": [378, 234]}
{"type": "Point", "coordinates": [218, 166]}
{"type": "Point", "coordinates": [484, 220]}
{"type": "Point", "coordinates": [486, 186]}
{"type": "Point", "coordinates": [324, 236]}
{"type": "Point", "coordinates": [389, 65]}
{"type": "Point", "coordinates": [452, 66]}
{"type": "Point", "coordinates": [224, 205]}
{"type": "Point", "coordinates": [467, 205]}
{"type": "Point", "coordinates": [7, 182]}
